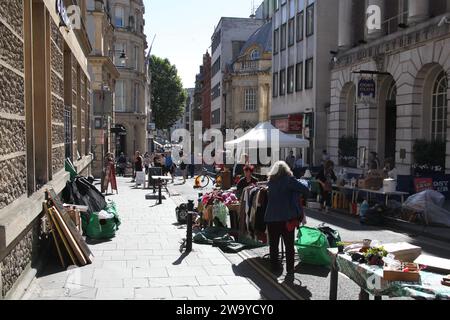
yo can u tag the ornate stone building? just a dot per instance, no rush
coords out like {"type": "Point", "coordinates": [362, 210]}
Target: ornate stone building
{"type": "Point", "coordinates": [247, 81]}
{"type": "Point", "coordinates": [45, 95]}
{"type": "Point", "coordinates": [406, 65]}
{"type": "Point", "coordinates": [103, 78]}
{"type": "Point", "coordinates": [131, 105]}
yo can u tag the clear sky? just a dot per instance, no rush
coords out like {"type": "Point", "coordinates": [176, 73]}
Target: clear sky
{"type": "Point", "coordinates": [184, 28]}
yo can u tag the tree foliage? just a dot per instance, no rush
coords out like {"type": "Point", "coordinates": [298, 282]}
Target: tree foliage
{"type": "Point", "coordinates": [168, 94]}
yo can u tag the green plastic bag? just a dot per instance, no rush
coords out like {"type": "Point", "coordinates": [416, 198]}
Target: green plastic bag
{"type": "Point", "coordinates": [105, 229]}
{"type": "Point", "coordinates": [312, 246]}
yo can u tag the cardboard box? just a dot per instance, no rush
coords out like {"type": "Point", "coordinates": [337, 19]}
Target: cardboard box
{"type": "Point", "coordinates": [398, 275]}
{"type": "Point", "coordinates": [403, 251]}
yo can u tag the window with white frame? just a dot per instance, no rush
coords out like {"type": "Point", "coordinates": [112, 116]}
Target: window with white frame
{"type": "Point", "coordinates": [250, 100]}
{"type": "Point", "coordinates": [120, 96]}
{"type": "Point", "coordinates": [119, 17]}
{"type": "Point", "coordinates": [439, 108]}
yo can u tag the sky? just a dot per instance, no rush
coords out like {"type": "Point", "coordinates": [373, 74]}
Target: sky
{"type": "Point", "coordinates": [183, 29]}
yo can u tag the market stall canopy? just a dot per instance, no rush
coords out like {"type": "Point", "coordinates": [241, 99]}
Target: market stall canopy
{"type": "Point", "coordinates": [263, 134]}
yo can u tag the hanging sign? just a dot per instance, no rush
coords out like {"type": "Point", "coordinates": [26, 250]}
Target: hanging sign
{"type": "Point", "coordinates": [367, 88]}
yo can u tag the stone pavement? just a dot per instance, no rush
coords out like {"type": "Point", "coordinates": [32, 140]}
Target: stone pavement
{"type": "Point", "coordinates": [313, 282]}
{"type": "Point", "coordinates": [144, 262]}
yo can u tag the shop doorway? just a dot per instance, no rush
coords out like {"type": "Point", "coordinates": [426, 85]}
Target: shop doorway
{"type": "Point", "coordinates": [391, 123]}
{"type": "Point", "coordinates": [387, 121]}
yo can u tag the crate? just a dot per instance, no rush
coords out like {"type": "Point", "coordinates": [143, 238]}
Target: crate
{"type": "Point", "coordinates": [399, 275]}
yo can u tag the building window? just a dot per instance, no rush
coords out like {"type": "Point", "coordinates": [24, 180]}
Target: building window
{"type": "Point", "coordinates": [283, 37]}
{"type": "Point", "coordinates": [310, 20]}
{"type": "Point", "coordinates": [136, 58]}
{"type": "Point", "coordinates": [299, 77]}
{"type": "Point", "coordinates": [120, 96]}
{"type": "Point", "coordinates": [291, 32]}
{"type": "Point", "coordinates": [255, 55]}
{"type": "Point", "coordinates": [290, 80]}
{"type": "Point", "coordinates": [439, 111]}
{"type": "Point", "coordinates": [215, 117]}
{"type": "Point", "coordinates": [120, 49]}
{"type": "Point", "coordinates": [215, 92]}
{"type": "Point", "coordinates": [98, 123]}
{"type": "Point", "coordinates": [282, 82]}
{"type": "Point", "coordinates": [136, 97]}
{"type": "Point", "coordinates": [275, 85]}
{"type": "Point", "coordinates": [250, 100]}
{"type": "Point", "coordinates": [216, 41]}
{"type": "Point", "coordinates": [276, 40]}
{"type": "Point", "coordinates": [300, 29]}
{"type": "Point", "coordinates": [119, 14]}
{"type": "Point", "coordinates": [216, 67]}
{"type": "Point", "coordinates": [68, 130]}
{"type": "Point", "coordinates": [309, 77]}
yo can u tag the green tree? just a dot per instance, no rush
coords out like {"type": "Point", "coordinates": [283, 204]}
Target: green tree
{"type": "Point", "coordinates": [168, 94]}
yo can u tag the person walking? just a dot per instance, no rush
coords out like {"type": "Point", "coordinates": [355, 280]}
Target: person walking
{"type": "Point", "coordinates": [147, 162]}
{"type": "Point", "coordinates": [122, 164]}
{"type": "Point", "coordinates": [138, 164]}
{"type": "Point", "coordinates": [183, 166]}
{"type": "Point", "coordinates": [169, 166]}
{"type": "Point", "coordinates": [284, 213]}
{"type": "Point", "coordinates": [290, 160]}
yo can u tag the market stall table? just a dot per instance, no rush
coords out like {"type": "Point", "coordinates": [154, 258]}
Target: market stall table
{"type": "Point", "coordinates": [370, 280]}
{"type": "Point", "coordinates": [356, 191]}
{"type": "Point", "coordinates": [160, 179]}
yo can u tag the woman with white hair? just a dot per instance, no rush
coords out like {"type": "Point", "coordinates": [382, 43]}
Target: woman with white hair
{"type": "Point", "coordinates": [284, 213]}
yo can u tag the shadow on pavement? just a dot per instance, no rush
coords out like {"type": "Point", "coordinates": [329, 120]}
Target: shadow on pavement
{"type": "Point", "coordinates": [269, 289]}
{"type": "Point", "coordinates": [341, 220]}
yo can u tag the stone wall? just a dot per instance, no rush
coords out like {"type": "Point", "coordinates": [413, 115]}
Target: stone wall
{"type": "Point", "coordinates": [12, 107]}
{"type": "Point", "coordinates": [57, 87]}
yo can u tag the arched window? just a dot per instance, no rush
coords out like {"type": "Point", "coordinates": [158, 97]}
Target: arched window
{"type": "Point", "coordinates": [255, 54]}
{"type": "Point", "coordinates": [439, 108]}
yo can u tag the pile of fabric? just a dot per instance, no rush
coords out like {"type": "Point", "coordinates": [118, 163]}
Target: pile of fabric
{"type": "Point", "coordinates": [214, 207]}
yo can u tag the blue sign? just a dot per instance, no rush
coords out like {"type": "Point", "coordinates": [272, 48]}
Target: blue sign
{"type": "Point", "coordinates": [367, 87]}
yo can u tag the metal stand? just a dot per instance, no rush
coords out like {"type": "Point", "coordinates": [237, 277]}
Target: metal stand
{"type": "Point", "coordinates": [189, 233]}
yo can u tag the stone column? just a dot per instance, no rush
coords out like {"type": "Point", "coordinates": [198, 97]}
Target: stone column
{"type": "Point", "coordinates": [373, 34]}
{"type": "Point", "coordinates": [345, 23]}
{"type": "Point", "coordinates": [418, 11]}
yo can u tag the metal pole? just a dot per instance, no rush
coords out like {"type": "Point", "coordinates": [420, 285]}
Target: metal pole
{"type": "Point", "coordinates": [189, 233]}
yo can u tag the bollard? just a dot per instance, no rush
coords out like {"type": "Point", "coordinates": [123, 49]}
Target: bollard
{"type": "Point", "coordinates": [189, 233]}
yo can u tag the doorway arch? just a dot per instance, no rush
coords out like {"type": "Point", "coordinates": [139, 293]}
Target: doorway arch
{"type": "Point", "coordinates": [387, 120]}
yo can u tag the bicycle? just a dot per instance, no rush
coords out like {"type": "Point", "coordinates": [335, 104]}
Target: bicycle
{"type": "Point", "coordinates": [205, 178]}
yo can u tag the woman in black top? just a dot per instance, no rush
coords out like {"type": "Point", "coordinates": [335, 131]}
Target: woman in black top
{"type": "Point", "coordinates": [246, 181]}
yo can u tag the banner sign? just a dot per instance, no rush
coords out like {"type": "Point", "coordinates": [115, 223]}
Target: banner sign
{"type": "Point", "coordinates": [367, 88]}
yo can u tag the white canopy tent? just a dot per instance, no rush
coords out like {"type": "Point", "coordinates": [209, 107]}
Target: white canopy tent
{"type": "Point", "coordinates": [266, 135]}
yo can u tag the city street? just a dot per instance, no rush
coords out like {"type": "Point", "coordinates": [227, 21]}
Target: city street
{"type": "Point", "coordinates": [144, 261]}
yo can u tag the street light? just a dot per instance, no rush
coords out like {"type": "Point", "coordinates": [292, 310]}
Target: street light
{"type": "Point", "coordinates": [123, 57]}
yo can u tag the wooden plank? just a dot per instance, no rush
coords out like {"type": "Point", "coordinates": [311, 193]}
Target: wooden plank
{"type": "Point", "coordinates": [54, 235]}
{"type": "Point", "coordinates": [70, 239]}
{"type": "Point", "coordinates": [63, 238]}
{"type": "Point", "coordinates": [51, 195]}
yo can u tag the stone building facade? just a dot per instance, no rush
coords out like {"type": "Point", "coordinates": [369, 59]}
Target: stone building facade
{"type": "Point", "coordinates": [229, 37]}
{"type": "Point", "coordinates": [407, 64]}
{"type": "Point", "coordinates": [44, 118]}
{"type": "Point", "coordinates": [103, 78]}
{"type": "Point", "coordinates": [202, 94]}
{"type": "Point", "coordinates": [248, 80]}
{"type": "Point", "coordinates": [131, 107]}
{"type": "Point", "coordinates": [304, 33]}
